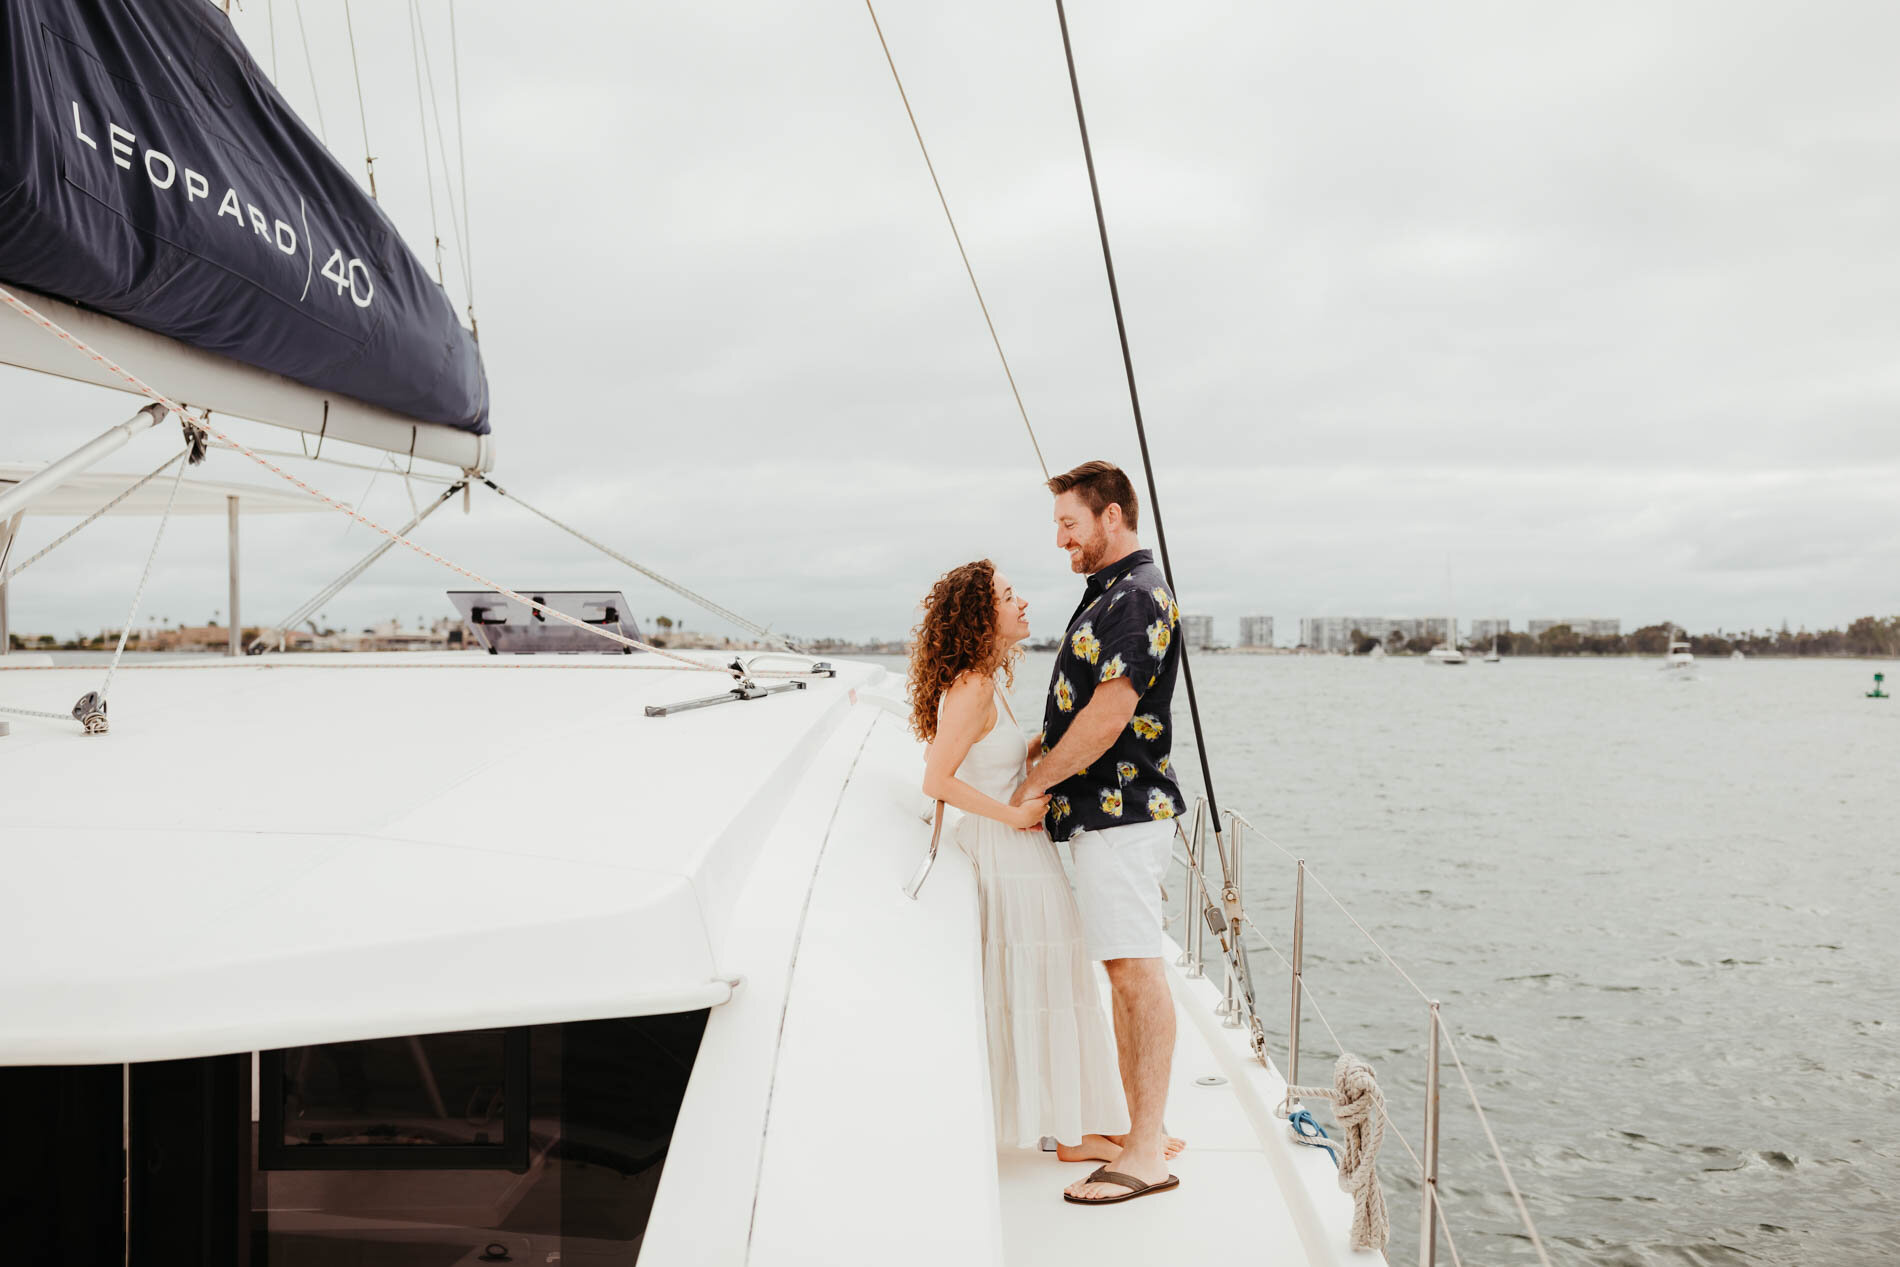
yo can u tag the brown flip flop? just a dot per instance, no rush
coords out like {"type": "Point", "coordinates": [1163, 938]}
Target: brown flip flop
{"type": "Point", "coordinates": [1136, 1188]}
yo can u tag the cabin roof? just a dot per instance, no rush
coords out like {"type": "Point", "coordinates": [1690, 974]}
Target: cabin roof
{"type": "Point", "coordinates": [289, 849]}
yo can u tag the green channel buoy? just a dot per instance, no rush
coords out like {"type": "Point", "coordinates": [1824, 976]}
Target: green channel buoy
{"type": "Point", "coordinates": [1877, 693]}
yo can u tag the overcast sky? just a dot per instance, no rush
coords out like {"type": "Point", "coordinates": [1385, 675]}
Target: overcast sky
{"type": "Point", "coordinates": [1595, 307]}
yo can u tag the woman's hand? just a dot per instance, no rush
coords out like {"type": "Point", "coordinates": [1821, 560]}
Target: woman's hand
{"type": "Point", "coordinates": [1028, 815]}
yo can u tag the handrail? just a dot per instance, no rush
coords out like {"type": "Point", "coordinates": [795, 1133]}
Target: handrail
{"type": "Point", "coordinates": [916, 884]}
{"type": "Point", "coordinates": [1227, 900]}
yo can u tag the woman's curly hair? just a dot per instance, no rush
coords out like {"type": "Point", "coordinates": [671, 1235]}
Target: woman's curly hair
{"type": "Point", "coordinates": [956, 636]}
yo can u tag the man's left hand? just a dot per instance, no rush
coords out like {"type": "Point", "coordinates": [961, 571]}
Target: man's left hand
{"type": "Point", "coordinates": [1028, 790]}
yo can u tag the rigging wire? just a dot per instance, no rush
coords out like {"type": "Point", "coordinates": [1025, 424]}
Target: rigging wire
{"type": "Point", "coordinates": [461, 146]}
{"type": "Point", "coordinates": [690, 596]}
{"type": "Point", "coordinates": [422, 114]}
{"type": "Point", "coordinates": [945, 202]}
{"type": "Point", "coordinates": [270, 17]}
{"type": "Point", "coordinates": [369, 160]}
{"type": "Point", "coordinates": [441, 142]}
{"type": "Point", "coordinates": [311, 67]}
{"type": "Point", "coordinates": [203, 424]}
{"type": "Point", "coordinates": [1134, 399]}
{"type": "Point", "coordinates": [7, 578]}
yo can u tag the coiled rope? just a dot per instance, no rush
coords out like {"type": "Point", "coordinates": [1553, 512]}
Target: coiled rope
{"type": "Point", "coordinates": [1359, 1107]}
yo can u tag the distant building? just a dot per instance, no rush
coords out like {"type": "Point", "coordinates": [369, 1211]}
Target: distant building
{"type": "Point", "coordinates": [1335, 633]}
{"type": "Point", "coordinates": [1256, 631]}
{"type": "Point", "coordinates": [1582, 626]}
{"type": "Point", "coordinates": [1198, 630]}
{"type": "Point", "coordinates": [1483, 631]}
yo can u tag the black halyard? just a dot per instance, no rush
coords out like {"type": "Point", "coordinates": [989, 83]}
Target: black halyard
{"type": "Point", "coordinates": [1124, 627]}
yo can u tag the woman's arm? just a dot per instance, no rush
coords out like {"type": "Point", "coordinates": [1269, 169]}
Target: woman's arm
{"type": "Point", "coordinates": [967, 713]}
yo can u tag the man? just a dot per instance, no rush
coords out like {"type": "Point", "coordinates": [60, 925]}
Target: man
{"type": "Point", "coordinates": [1103, 758]}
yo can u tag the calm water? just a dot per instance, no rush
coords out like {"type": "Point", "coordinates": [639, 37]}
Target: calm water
{"type": "Point", "coordinates": [1660, 915]}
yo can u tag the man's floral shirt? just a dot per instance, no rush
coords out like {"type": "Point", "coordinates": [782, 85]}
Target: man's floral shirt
{"type": "Point", "coordinates": [1124, 628]}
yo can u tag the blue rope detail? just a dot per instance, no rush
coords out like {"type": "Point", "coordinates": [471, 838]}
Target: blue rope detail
{"type": "Point", "coordinates": [1307, 1129]}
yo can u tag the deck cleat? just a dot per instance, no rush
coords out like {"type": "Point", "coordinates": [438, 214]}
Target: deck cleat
{"type": "Point", "coordinates": [90, 712]}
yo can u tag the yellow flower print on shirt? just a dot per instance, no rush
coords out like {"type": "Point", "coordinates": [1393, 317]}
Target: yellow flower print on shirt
{"type": "Point", "coordinates": [1059, 807]}
{"type": "Point", "coordinates": [1162, 765]}
{"type": "Point", "coordinates": [1165, 601]}
{"type": "Point", "coordinates": [1085, 644]}
{"type": "Point", "coordinates": [1125, 769]}
{"type": "Point", "coordinates": [1147, 726]}
{"type": "Point", "coordinates": [1159, 636]}
{"type": "Point", "coordinates": [1113, 669]}
{"type": "Point", "coordinates": [1065, 694]}
{"type": "Point", "coordinates": [1112, 802]}
{"type": "Point", "coordinates": [1160, 804]}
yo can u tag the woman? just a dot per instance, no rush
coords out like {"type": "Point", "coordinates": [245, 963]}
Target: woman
{"type": "Point", "coordinates": [1052, 1056]}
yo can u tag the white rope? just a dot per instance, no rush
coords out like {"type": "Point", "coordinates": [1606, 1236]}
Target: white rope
{"type": "Point", "coordinates": [74, 531]}
{"type": "Point", "coordinates": [137, 595]}
{"type": "Point", "coordinates": [30, 313]}
{"type": "Point", "coordinates": [689, 595]}
{"type": "Point", "coordinates": [1309, 998]}
{"type": "Point", "coordinates": [34, 712]}
{"type": "Point", "coordinates": [1359, 1108]}
{"type": "Point", "coordinates": [276, 633]}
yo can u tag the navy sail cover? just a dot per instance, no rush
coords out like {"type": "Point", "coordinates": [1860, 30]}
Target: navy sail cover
{"type": "Point", "coordinates": [149, 170]}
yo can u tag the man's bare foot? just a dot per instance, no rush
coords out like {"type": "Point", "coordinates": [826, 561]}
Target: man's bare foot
{"type": "Point", "coordinates": [1109, 1147]}
{"type": "Point", "coordinates": [1091, 1148]}
{"type": "Point", "coordinates": [1150, 1169]}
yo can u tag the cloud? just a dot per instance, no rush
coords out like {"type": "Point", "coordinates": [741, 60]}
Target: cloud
{"type": "Point", "coordinates": [1599, 305]}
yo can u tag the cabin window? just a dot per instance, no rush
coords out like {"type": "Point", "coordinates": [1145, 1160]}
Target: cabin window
{"type": "Point", "coordinates": [539, 1145]}
{"type": "Point", "coordinates": [562, 1165]}
{"type": "Point", "coordinates": [425, 1102]}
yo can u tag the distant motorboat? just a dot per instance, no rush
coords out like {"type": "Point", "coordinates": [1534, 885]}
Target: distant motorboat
{"type": "Point", "coordinates": [1737, 654]}
{"type": "Point", "coordinates": [1679, 659]}
{"type": "Point", "coordinates": [1377, 652]}
{"type": "Point", "coordinates": [1444, 653]}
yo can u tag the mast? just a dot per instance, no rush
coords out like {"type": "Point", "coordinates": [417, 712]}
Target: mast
{"type": "Point", "coordinates": [1134, 400]}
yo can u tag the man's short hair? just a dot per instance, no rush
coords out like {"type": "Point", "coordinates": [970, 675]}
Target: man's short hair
{"type": "Point", "coordinates": [1098, 484]}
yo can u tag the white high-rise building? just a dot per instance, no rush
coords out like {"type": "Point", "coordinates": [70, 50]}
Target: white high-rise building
{"type": "Point", "coordinates": [1256, 631]}
{"type": "Point", "coordinates": [1198, 630]}
{"type": "Point", "coordinates": [1582, 626]}
{"type": "Point", "coordinates": [1483, 631]}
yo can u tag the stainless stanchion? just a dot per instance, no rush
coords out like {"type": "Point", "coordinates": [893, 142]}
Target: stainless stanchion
{"type": "Point", "coordinates": [1428, 1185]}
{"type": "Point", "coordinates": [1299, 969]}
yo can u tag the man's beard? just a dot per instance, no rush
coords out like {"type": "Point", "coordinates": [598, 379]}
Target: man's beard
{"type": "Point", "coordinates": [1093, 552]}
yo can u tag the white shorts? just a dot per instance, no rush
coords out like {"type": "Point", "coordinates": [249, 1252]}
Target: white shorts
{"type": "Point", "coordinates": [1118, 874]}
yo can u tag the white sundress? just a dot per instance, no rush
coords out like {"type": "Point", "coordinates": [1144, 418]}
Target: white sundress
{"type": "Point", "coordinates": [1053, 1070]}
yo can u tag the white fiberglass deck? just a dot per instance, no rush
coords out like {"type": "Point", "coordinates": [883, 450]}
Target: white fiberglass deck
{"type": "Point", "coordinates": [275, 850]}
{"type": "Point", "coordinates": [879, 1144]}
